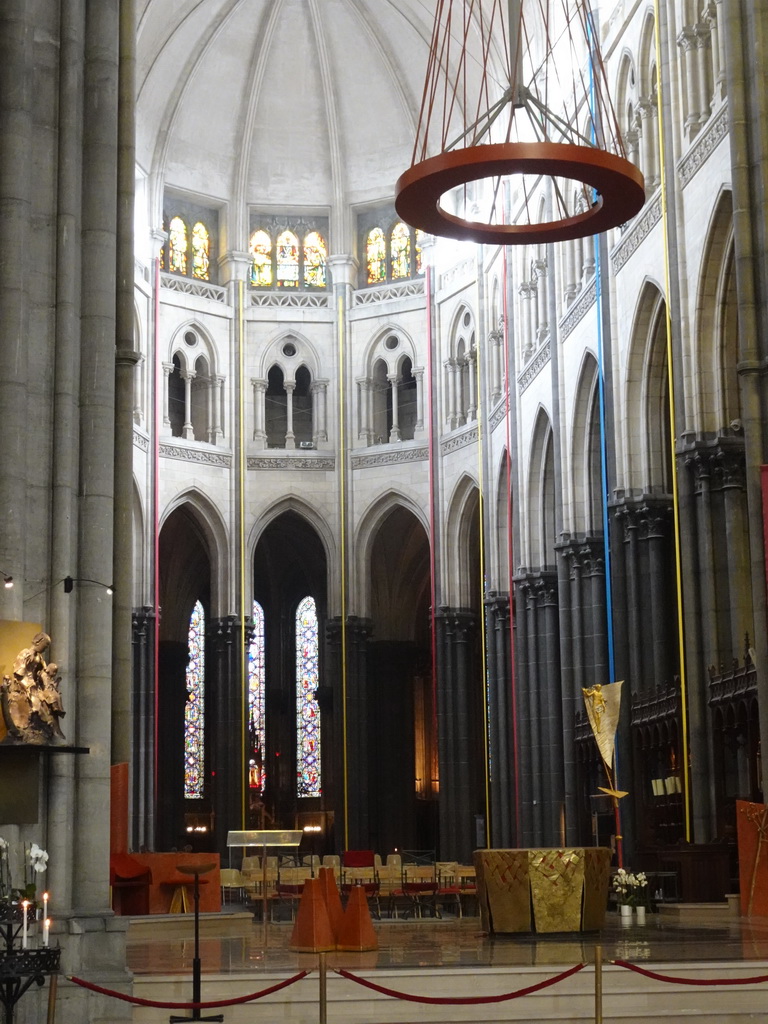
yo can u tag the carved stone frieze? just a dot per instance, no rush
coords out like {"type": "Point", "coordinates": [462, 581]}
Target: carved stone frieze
{"type": "Point", "coordinates": [578, 310]}
{"type": "Point", "coordinates": [705, 145]}
{"type": "Point", "coordinates": [639, 231]}
{"type": "Point", "coordinates": [323, 463]}
{"type": "Point", "coordinates": [172, 451]}
{"type": "Point", "coordinates": [538, 361]}
{"type": "Point", "coordinates": [140, 441]}
{"type": "Point", "coordinates": [390, 457]}
{"type": "Point", "coordinates": [452, 444]}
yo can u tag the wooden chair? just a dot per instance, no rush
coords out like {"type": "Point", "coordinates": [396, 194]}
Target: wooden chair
{"type": "Point", "coordinates": [358, 867]}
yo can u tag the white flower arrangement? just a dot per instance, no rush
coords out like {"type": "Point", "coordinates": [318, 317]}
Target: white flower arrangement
{"type": "Point", "coordinates": [630, 888]}
{"type": "Point", "coordinates": [35, 863]}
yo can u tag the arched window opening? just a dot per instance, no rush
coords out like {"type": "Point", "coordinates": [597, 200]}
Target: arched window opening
{"type": "Point", "coordinates": [595, 471]}
{"type": "Point", "coordinates": [201, 252]}
{"type": "Point", "coordinates": [260, 248]}
{"type": "Point", "coordinates": [315, 258]}
{"type": "Point", "coordinates": [257, 686]}
{"type": "Point", "coordinates": [308, 764]}
{"type": "Point", "coordinates": [194, 709]}
{"type": "Point", "coordinates": [199, 413]}
{"type": "Point", "coordinates": [176, 399]}
{"type": "Point", "coordinates": [376, 256]}
{"type": "Point", "coordinates": [276, 409]}
{"type": "Point", "coordinates": [177, 246]}
{"type": "Point", "coordinates": [406, 401]}
{"type": "Point", "coordinates": [287, 260]}
{"type": "Point", "coordinates": [381, 412]}
{"type": "Point", "coordinates": [302, 406]}
{"type": "Point", "coordinates": [400, 251]}
{"type": "Point", "coordinates": [548, 507]}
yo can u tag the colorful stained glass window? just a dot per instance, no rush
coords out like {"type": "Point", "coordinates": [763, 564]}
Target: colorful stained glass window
{"type": "Point", "coordinates": [308, 781]}
{"type": "Point", "coordinates": [257, 731]}
{"type": "Point", "coordinates": [376, 256]}
{"type": "Point", "coordinates": [201, 252]}
{"type": "Point", "coordinates": [419, 241]}
{"type": "Point", "coordinates": [287, 260]}
{"type": "Point", "coordinates": [400, 251]}
{"type": "Point", "coordinates": [315, 255]}
{"type": "Point", "coordinates": [261, 259]}
{"type": "Point", "coordinates": [194, 709]}
{"type": "Point", "coordinates": [177, 246]}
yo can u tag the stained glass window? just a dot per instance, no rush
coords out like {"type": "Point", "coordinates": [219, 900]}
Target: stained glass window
{"type": "Point", "coordinates": [287, 260]}
{"type": "Point", "coordinates": [400, 251]}
{"type": "Point", "coordinates": [201, 252]}
{"type": "Point", "coordinates": [261, 259]}
{"type": "Point", "coordinates": [419, 240]}
{"type": "Point", "coordinates": [194, 709]}
{"type": "Point", "coordinates": [376, 256]}
{"type": "Point", "coordinates": [307, 711]}
{"type": "Point", "coordinates": [177, 246]}
{"type": "Point", "coordinates": [315, 253]}
{"type": "Point", "coordinates": [256, 702]}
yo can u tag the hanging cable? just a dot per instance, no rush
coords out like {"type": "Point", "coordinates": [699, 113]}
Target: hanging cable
{"type": "Point", "coordinates": [343, 556]}
{"type": "Point", "coordinates": [483, 624]}
{"type": "Point", "coordinates": [673, 453]}
{"type": "Point", "coordinates": [241, 542]}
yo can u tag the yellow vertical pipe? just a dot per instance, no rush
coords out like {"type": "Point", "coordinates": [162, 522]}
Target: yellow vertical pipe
{"type": "Point", "coordinates": [241, 539]}
{"type": "Point", "coordinates": [671, 384]}
{"type": "Point", "coordinates": [343, 555]}
{"type": "Point", "coordinates": [484, 655]}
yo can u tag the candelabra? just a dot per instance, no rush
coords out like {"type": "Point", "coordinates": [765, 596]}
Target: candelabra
{"type": "Point", "coordinates": [23, 962]}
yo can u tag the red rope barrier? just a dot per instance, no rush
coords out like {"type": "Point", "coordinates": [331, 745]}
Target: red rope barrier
{"type": "Point", "coordinates": [462, 1000]}
{"type": "Point", "coordinates": [187, 1006]}
{"type": "Point", "coordinates": [689, 981]}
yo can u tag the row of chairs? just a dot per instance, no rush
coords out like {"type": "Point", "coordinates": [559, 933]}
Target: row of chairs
{"type": "Point", "coordinates": [395, 886]}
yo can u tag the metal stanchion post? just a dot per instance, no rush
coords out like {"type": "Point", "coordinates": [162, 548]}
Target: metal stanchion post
{"type": "Point", "coordinates": [598, 985]}
{"type": "Point", "coordinates": [323, 990]}
{"type": "Point", "coordinates": [53, 984]}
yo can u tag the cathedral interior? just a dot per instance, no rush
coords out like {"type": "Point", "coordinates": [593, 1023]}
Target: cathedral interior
{"type": "Point", "coordinates": [351, 513]}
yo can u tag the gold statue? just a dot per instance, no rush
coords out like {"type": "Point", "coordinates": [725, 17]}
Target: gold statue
{"type": "Point", "coordinates": [30, 699]}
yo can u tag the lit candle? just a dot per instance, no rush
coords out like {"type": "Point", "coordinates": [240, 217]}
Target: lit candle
{"type": "Point", "coordinates": [46, 930]}
{"type": "Point", "coordinates": [45, 905]}
{"type": "Point", "coordinates": [24, 929]}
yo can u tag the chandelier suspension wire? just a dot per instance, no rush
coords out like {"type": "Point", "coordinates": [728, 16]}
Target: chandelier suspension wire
{"type": "Point", "coordinates": [514, 115]}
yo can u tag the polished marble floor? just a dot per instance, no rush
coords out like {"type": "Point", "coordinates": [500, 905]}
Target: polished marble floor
{"type": "Point", "coordinates": [234, 941]}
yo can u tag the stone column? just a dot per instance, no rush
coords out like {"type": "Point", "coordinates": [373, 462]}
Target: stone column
{"type": "Point", "coordinates": [142, 825]}
{"type": "Point", "coordinates": [450, 381]}
{"type": "Point", "coordinates": [495, 339]}
{"type": "Point", "coordinates": [97, 422]}
{"type": "Point", "coordinates": [647, 110]}
{"type": "Point", "coordinates": [418, 374]}
{"type": "Point", "coordinates": [217, 383]}
{"type": "Point", "coordinates": [167, 371]}
{"type": "Point", "coordinates": [731, 473]}
{"type": "Point", "coordinates": [713, 11]}
{"type": "Point", "coordinates": [632, 141]}
{"type": "Point", "coordinates": [224, 679]}
{"type": "Point", "coordinates": [686, 42]}
{"type": "Point", "coordinates": [542, 320]}
{"type": "Point", "coordinates": [290, 437]}
{"type": "Point", "coordinates": [526, 333]}
{"type": "Point", "coordinates": [322, 410]}
{"type": "Point", "coordinates": [704, 65]}
{"type": "Point", "coordinates": [188, 431]}
{"type": "Point", "coordinates": [394, 433]}
{"type": "Point", "coordinates": [259, 431]}
{"type": "Point", "coordinates": [472, 396]}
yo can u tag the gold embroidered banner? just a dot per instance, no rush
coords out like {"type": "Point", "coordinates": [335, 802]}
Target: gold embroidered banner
{"type": "Point", "coordinates": [603, 704]}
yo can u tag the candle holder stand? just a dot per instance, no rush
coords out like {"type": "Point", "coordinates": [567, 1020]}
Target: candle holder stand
{"type": "Point", "coordinates": [20, 967]}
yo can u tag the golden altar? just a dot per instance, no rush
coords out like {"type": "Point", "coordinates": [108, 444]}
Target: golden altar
{"type": "Point", "coordinates": [551, 890]}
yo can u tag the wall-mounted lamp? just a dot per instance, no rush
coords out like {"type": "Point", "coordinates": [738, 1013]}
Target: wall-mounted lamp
{"type": "Point", "coordinates": [7, 580]}
{"type": "Point", "coordinates": [70, 581]}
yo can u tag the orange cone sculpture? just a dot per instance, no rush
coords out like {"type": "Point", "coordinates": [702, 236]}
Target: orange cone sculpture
{"type": "Point", "coordinates": [357, 934]}
{"type": "Point", "coordinates": [332, 900]}
{"type": "Point", "coordinates": [312, 931]}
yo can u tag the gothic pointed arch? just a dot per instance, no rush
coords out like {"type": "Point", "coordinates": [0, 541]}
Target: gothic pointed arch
{"type": "Point", "coordinates": [209, 524]}
{"type": "Point", "coordinates": [463, 587]}
{"type": "Point", "coordinates": [368, 528]}
{"type": "Point", "coordinates": [717, 395]}
{"type": "Point", "coordinates": [541, 494]}
{"type": "Point", "coordinates": [585, 476]}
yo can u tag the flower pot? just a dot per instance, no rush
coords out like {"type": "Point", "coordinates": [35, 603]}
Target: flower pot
{"type": "Point", "coordinates": [640, 915]}
{"type": "Point", "coordinates": [626, 912]}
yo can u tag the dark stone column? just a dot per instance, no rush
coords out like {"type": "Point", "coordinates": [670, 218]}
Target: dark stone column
{"type": "Point", "coordinates": [524, 710]}
{"type": "Point", "coordinates": [141, 815]}
{"type": "Point", "coordinates": [348, 792]}
{"type": "Point", "coordinates": [730, 467]}
{"type": "Point", "coordinates": [457, 717]}
{"type": "Point", "coordinates": [570, 696]}
{"type": "Point", "coordinates": [224, 703]}
{"type": "Point", "coordinates": [655, 525]}
{"type": "Point", "coordinates": [551, 722]}
{"type": "Point", "coordinates": [501, 725]}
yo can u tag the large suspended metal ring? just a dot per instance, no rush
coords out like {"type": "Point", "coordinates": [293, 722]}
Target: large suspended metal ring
{"type": "Point", "coordinates": [617, 182]}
